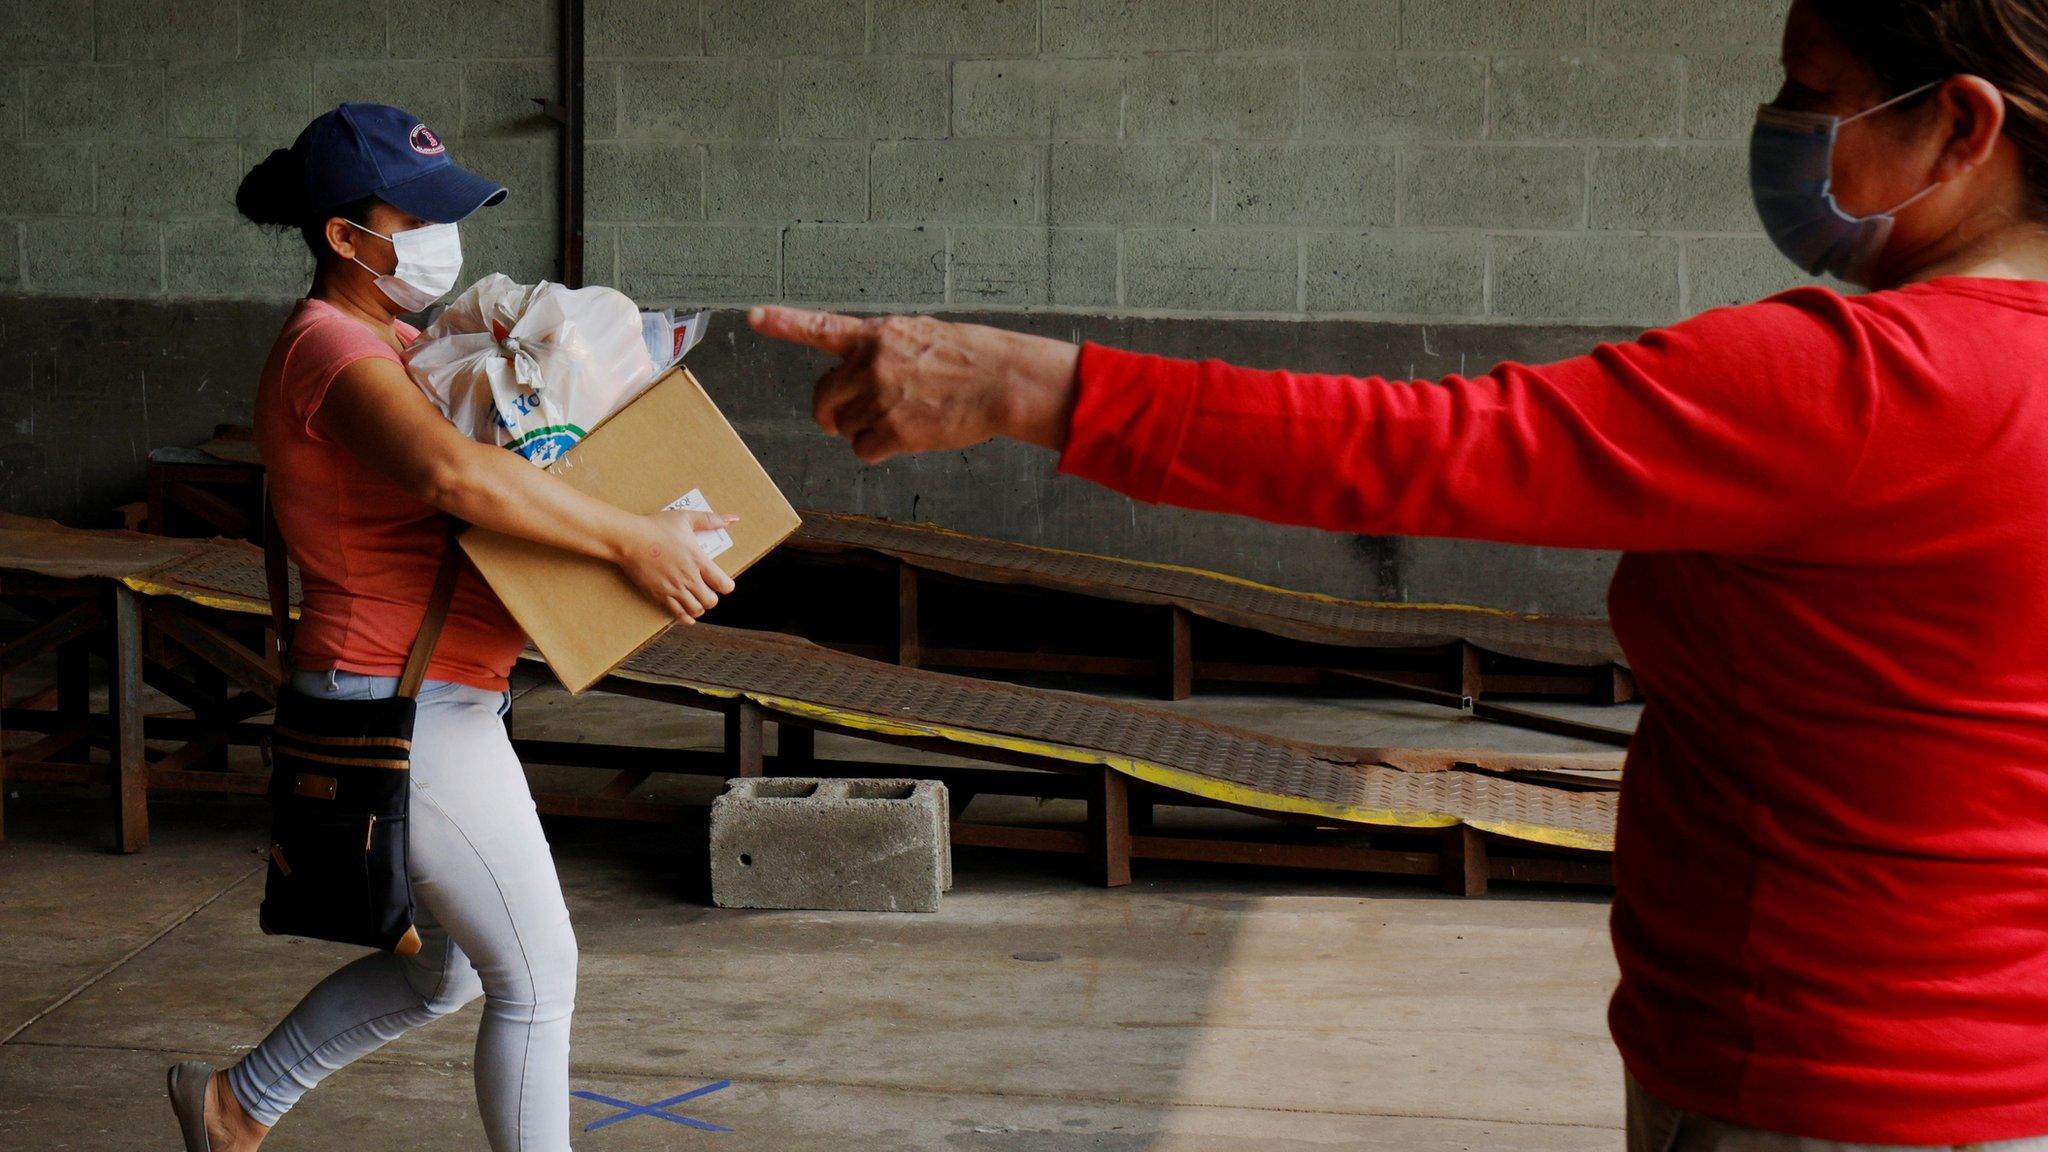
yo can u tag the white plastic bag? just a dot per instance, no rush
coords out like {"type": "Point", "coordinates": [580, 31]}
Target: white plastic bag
{"type": "Point", "coordinates": [533, 368]}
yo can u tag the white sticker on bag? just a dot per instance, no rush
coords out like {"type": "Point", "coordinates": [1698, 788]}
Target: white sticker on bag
{"type": "Point", "coordinates": [713, 542]}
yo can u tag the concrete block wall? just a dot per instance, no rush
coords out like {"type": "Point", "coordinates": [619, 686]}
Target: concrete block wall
{"type": "Point", "coordinates": [125, 126]}
{"type": "Point", "coordinates": [1497, 161]}
{"type": "Point", "coordinates": [1431, 160]}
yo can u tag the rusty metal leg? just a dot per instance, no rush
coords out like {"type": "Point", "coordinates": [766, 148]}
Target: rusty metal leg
{"type": "Point", "coordinates": [1464, 675]}
{"type": "Point", "coordinates": [1109, 829]}
{"type": "Point", "coordinates": [1464, 862]}
{"type": "Point", "coordinates": [796, 748]}
{"type": "Point", "coordinates": [1178, 669]}
{"type": "Point", "coordinates": [743, 755]}
{"type": "Point", "coordinates": [909, 642]}
{"type": "Point", "coordinates": [1614, 685]}
{"type": "Point", "coordinates": [130, 774]}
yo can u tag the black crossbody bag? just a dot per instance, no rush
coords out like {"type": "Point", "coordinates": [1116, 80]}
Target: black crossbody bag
{"type": "Point", "coordinates": [340, 790]}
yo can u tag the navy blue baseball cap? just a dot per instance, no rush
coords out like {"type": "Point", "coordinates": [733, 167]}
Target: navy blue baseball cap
{"type": "Point", "coordinates": [361, 150]}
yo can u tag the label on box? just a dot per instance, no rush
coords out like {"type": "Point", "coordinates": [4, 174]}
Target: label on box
{"type": "Point", "coordinates": [711, 541]}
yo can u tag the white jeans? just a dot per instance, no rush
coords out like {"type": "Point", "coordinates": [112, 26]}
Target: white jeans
{"type": "Point", "coordinates": [491, 921]}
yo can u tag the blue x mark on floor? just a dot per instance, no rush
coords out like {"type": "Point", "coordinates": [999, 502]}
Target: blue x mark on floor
{"type": "Point", "coordinates": [658, 1108]}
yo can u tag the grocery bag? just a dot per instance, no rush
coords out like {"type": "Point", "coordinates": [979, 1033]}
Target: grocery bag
{"type": "Point", "coordinates": [535, 367]}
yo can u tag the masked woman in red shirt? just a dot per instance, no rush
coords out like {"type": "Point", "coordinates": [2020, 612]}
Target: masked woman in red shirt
{"type": "Point", "coordinates": [1831, 910]}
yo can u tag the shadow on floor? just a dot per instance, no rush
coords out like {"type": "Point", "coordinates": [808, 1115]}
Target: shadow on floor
{"type": "Point", "coordinates": [1200, 1008]}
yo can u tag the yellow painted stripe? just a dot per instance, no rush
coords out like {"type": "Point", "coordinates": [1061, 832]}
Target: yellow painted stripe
{"type": "Point", "coordinates": [1179, 780]}
{"type": "Point", "coordinates": [183, 592]}
{"type": "Point", "coordinates": [1544, 834]}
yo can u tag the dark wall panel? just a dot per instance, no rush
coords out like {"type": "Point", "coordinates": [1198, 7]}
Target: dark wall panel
{"type": "Point", "coordinates": [88, 387]}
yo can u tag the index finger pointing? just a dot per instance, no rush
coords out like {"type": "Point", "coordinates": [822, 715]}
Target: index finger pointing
{"type": "Point", "coordinates": [842, 336]}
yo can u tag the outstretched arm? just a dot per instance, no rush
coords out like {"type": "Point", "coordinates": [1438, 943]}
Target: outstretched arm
{"type": "Point", "coordinates": [1727, 433]}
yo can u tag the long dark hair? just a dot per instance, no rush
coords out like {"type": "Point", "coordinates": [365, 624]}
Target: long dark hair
{"type": "Point", "coordinates": [1909, 43]}
{"type": "Point", "coordinates": [273, 194]}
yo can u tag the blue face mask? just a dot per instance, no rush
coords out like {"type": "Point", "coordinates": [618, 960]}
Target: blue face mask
{"type": "Point", "coordinates": [1791, 177]}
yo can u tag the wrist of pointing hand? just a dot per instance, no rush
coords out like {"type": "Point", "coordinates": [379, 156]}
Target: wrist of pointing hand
{"type": "Point", "coordinates": [1037, 400]}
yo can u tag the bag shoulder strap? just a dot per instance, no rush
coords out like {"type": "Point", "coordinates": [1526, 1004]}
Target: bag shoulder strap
{"type": "Point", "coordinates": [278, 577]}
{"type": "Point", "coordinates": [437, 615]}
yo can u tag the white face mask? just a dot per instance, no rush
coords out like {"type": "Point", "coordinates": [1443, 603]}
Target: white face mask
{"type": "Point", "coordinates": [429, 260]}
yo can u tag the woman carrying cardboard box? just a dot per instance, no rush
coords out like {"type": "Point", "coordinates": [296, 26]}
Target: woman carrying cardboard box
{"type": "Point", "coordinates": [366, 477]}
{"type": "Point", "coordinates": [1831, 903]}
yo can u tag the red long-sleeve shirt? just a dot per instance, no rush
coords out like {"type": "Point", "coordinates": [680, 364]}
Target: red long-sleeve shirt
{"type": "Point", "coordinates": [1831, 906]}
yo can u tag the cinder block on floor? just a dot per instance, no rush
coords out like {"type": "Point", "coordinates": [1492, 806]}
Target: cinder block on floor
{"type": "Point", "coordinates": [841, 845]}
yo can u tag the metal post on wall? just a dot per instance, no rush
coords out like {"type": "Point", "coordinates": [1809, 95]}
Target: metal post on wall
{"type": "Point", "coordinates": [567, 110]}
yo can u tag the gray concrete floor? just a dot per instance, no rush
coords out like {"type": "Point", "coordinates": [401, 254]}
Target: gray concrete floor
{"type": "Point", "coordinates": [1198, 1009]}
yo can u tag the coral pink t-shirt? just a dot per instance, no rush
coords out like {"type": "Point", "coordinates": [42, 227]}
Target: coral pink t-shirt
{"type": "Point", "coordinates": [367, 549]}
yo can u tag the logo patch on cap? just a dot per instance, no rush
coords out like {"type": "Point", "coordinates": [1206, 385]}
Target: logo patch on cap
{"type": "Point", "coordinates": [424, 141]}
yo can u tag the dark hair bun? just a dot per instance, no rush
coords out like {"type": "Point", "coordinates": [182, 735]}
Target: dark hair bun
{"type": "Point", "coordinates": [274, 192]}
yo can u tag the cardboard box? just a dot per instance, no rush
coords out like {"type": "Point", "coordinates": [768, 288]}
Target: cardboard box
{"type": "Point", "coordinates": [582, 613]}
